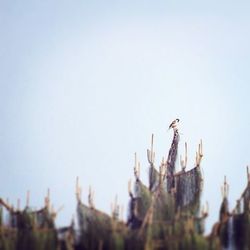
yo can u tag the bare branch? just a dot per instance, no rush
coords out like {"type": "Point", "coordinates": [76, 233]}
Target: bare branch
{"type": "Point", "coordinates": [225, 188]}
{"type": "Point", "coordinates": [129, 188]}
{"type": "Point", "coordinates": [199, 154]}
{"type": "Point", "coordinates": [121, 212]}
{"type": "Point", "coordinates": [78, 190]}
{"type": "Point", "coordinates": [27, 198]}
{"type": "Point", "coordinates": [18, 204]}
{"type": "Point", "coordinates": [115, 209]}
{"type": "Point", "coordinates": [59, 209]}
{"type": "Point", "coordinates": [162, 169]}
{"type": "Point", "coordinates": [6, 205]}
{"type": "Point", "coordinates": [91, 197]}
{"type": "Point", "coordinates": [248, 175]}
{"type": "Point", "coordinates": [184, 162]}
{"type": "Point", "coordinates": [151, 153]}
{"type": "Point", "coordinates": [137, 168]}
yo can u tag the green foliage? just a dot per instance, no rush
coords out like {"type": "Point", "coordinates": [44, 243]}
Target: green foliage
{"type": "Point", "coordinates": [165, 216]}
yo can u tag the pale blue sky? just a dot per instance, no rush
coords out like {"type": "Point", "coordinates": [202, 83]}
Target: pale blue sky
{"type": "Point", "coordinates": [83, 85]}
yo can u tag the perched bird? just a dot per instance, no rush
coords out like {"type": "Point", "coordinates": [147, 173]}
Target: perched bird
{"type": "Point", "coordinates": [174, 124]}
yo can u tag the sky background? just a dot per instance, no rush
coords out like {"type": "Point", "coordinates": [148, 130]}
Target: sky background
{"type": "Point", "coordinates": [83, 84]}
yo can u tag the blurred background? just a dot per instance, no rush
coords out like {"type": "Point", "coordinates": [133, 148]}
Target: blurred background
{"type": "Point", "coordinates": [84, 84]}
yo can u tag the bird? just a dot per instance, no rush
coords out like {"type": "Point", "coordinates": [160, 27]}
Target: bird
{"type": "Point", "coordinates": [174, 124]}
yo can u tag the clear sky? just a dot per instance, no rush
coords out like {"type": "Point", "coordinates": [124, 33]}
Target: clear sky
{"type": "Point", "coordinates": [83, 84]}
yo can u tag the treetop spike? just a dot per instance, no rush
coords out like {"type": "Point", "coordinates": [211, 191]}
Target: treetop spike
{"type": "Point", "coordinates": [91, 197]}
{"type": "Point", "coordinates": [135, 160]}
{"type": "Point", "coordinates": [184, 162]}
{"type": "Point", "coordinates": [225, 188]}
{"type": "Point", "coordinates": [139, 169]}
{"type": "Point", "coordinates": [111, 208]}
{"type": "Point", "coordinates": [77, 183]}
{"type": "Point", "coordinates": [199, 154]}
{"type": "Point", "coordinates": [121, 213]}
{"type": "Point", "coordinates": [152, 142]}
{"type": "Point", "coordinates": [129, 187]}
{"type": "Point", "coordinates": [248, 175]}
{"type": "Point", "coordinates": [27, 198]}
{"type": "Point", "coordinates": [150, 152]}
{"type": "Point", "coordinates": [163, 160]}
{"type": "Point", "coordinates": [18, 204]}
{"type": "Point", "coordinates": [225, 180]}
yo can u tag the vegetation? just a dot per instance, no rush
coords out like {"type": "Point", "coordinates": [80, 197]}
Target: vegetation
{"type": "Point", "coordinates": [166, 214]}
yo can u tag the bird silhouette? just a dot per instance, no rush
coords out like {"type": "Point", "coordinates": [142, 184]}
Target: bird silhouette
{"type": "Point", "coordinates": [174, 124]}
